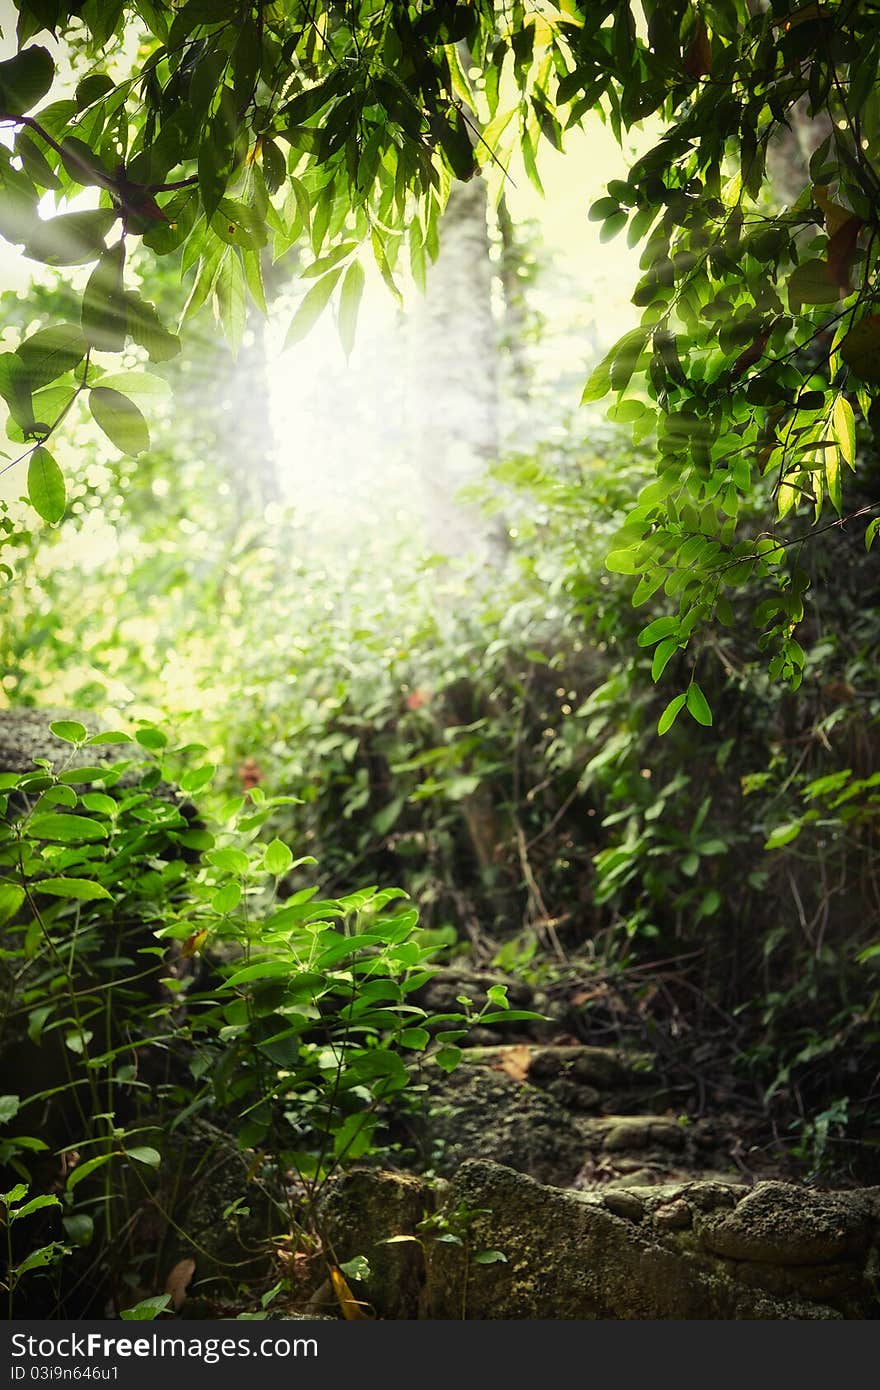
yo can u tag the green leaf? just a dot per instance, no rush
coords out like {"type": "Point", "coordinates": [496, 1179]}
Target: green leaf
{"type": "Point", "coordinates": [226, 899]}
{"type": "Point", "coordinates": [311, 307]}
{"type": "Point", "coordinates": [46, 491]}
{"type": "Point", "coordinates": [104, 307]}
{"type": "Point", "coordinates": [82, 1170]}
{"type": "Point", "coordinates": [231, 299]}
{"type": "Point", "coordinates": [92, 88]}
{"type": "Point", "coordinates": [358, 1268]}
{"type": "Point", "coordinates": [355, 1136]}
{"type": "Point", "coordinates": [71, 239]}
{"type": "Point", "coordinates": [25, 79]}
{"type": "Point", "coordinates": [384, 820]}
{"type": "Point", "coordinates": [349, 303]}
{"type": "Point", "coordinates": [845, 429]}
{"type": "Point", "coordinates": [263, 970]}
{"type": "Point", "coordinates": [82, 165]}
{"type": "Point", "coordinates": [151, 738]}
{"type": "Point", "coordinates": [69, 730]}
{"type": "Point", "coordinates": [612, 226]}
{"type": "Point", "coordinates": [9, 1108]}
{"type": "Point", "coordinates": [698, 705]}
{"type": "Point", "coordinates": [624, 356]}
{"type": "Point", "coordinates": [39, 1259]}
{"type": "Point", "coordinates": [274, 166]}
{"type": "Point", "coordinates": [605, 207]}
{"type": "Point", "coordinates": [622, 561]}
{"type": "Point", "coordinates": [144, 1154]}
{"type": "Point", "coordinates": [35, 1204]}
{"type": "Point", "coordinates": [98, 802]}
{"type": "Point", "coordinates": [35, 162]}
{"type": "Point", "coordinates": [147, 1309]}
{"type": "Point", "coordinates": [663, 654]}
{"type": "Point", "coordinates": [448, 1057]}
{"type": "Point", "coordinates": [278, 857]}
{"type": "Point", "coordinates": [49, 353]}
{"type": "Point", "coordinates": [145, 384]}
{"type": "Point", "coordinates": [148, 330]}
{"type": "Point", "coordinates": [120, 419]}
{"type": "Point", "coordinates": [11, 899]}
{"type": "Point", "coordinates": [234, 861]}
{"type": "Point", "coordinates": [456, 144]}
{"type": "Point", "coordinates": [81, 889]}
{"type": "Point", "coordinates": [197, 778]}
{"type": "Point", "coordinates": [860, 349]}
{"type": "Point", "coordinates": [325, 263]}
{"type": "Point", "coordinates": [490, 1257]}
{"type": "Point", "coordinates": [783, 835]}
{"type": "Point", "coordinates": [670, 714]}
{"type": "Point", "coordinates": [67, 829]}
{"type": "Point", "coordinates": [810, 283]}
{"type": "Point", "coordinates": [660, 627]}
{"type": "Point", "coordinates": [102, 17]}
{"type": "Point", "coordinates": [79, 1228]}
{"type": "Point", "coordinates": [215, 161]}
{"type": "Point", "coordinates": [59, 796]}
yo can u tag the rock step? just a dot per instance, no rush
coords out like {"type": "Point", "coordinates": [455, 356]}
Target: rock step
{"type": "Point", "coordinates": [533, 1107]}
{"type": "Point", "coordinates": [691, 1250]}
{"type": "Point", "coordinates": [579, 1077]}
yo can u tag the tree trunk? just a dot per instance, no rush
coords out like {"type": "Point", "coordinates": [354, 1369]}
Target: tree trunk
{"type": "Point", "coordinates": [455, 380]}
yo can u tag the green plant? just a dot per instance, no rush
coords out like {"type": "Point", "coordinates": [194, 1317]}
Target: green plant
{"type": "Point", "coordinates": [136, 935]}
{"type": "Point", "coordinates": [43, 1257]}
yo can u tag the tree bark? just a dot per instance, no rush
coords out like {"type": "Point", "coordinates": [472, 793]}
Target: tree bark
{"type": "Point", "coordinates": [455, 397]}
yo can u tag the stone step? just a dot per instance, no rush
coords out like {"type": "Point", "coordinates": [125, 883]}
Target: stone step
{"type": "Point", "coordinates": [692, 1250]}
{"type": "Point", "coordinates": [537, 1109]}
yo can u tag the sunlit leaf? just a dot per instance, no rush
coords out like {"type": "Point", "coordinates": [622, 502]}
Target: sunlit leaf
{"type": "Point", "coordinates": [120, 419]}
{"type": "Point", "coordinates": [312, 307]}
{"type": "Point", "coordinates": [80, 889]}
{"type": "Point", "coordinates": [349, 303]}
{"type": "Point", "coordinates": [25, 79]}
{"type": "Point", "coordinates": [69, 730]}
{"type": "Point", "coordinates": [46, 491]}
{"type": "Point", "coordinates": [67, 829]}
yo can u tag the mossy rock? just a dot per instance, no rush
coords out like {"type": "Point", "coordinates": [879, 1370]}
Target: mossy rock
{"type": "Point", "coordinates": [569, 1255]}
{"type": "Point", "coordinates": [376, 1215]}
{"type": "Point", "coordinates": [480, 1112]}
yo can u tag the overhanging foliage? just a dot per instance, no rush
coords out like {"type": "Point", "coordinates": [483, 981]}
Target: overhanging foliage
{"type": "Point", "coordinates": [209, 128]}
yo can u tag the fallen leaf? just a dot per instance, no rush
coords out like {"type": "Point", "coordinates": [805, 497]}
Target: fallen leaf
{"type": "Point", "coordinates": [178, 1282]}
{"type": "Point", "coordinates": [583, 996]}
{"type": "Point", "coordinates": [350, 1307]}
{"type": "Point", "coordinates": [193, 944]}
{"type": "Point", "coordinates": [515, 1061]}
